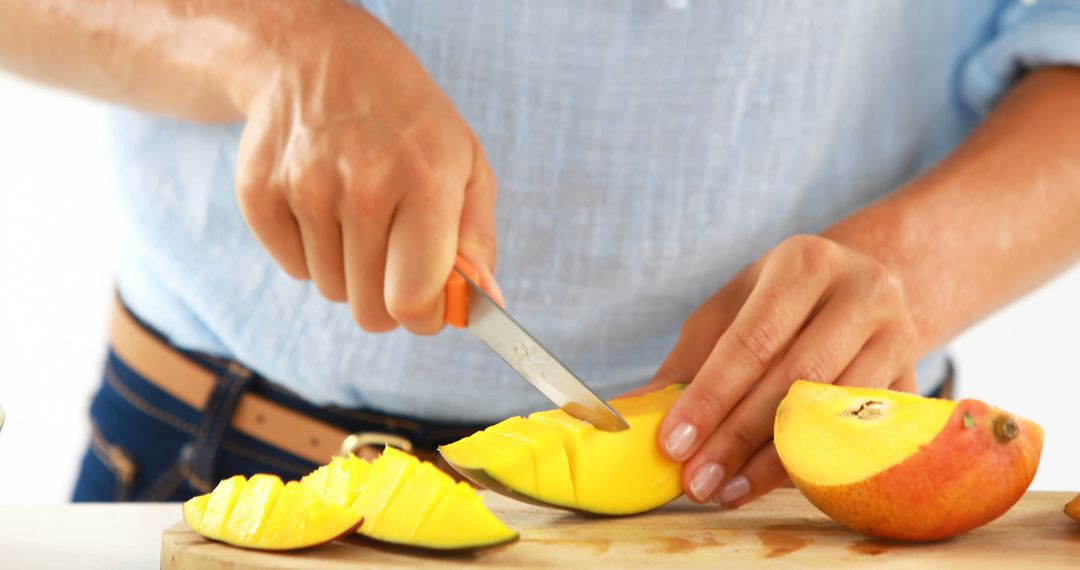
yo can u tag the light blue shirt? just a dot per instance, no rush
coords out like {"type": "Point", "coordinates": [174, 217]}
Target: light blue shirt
{"type": "Point", "coordinates": [646, 151]}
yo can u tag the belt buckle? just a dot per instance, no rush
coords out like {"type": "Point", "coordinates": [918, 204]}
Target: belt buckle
{"type": "Point", "coordinates": [368, 445]}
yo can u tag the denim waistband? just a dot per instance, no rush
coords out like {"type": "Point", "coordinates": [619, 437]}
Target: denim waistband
{"type": "Point", "coordinates": [423, 434]}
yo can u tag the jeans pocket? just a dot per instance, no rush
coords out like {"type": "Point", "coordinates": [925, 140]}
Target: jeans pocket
{"type": "Point", "coordinates": [134, 446]}
{"type": "Point", "coordinates": [108, 471]}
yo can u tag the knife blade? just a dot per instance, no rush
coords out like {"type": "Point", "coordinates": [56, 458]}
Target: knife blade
{"type": "Point", "coordinates": [487, 321]}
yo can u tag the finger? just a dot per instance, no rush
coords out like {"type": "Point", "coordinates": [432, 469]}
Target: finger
{"type": "Point", "coordinates": [762, 473]}
{"type": "Point", "coordinates": [420, 254]}
{"type": "Point", "coordinates": [906, 383]}
{"type": "Point", "coordinates": [313, 197]}
{"type": "Point", "coordinates": [477, 241]}
{"type": "Point", "coordinates": [885, 359]}
{"type": "Point", "coordinates": [262, 202]}
{"type": "Point", "coordinates": [820, 353]}
{"type": "Point", "coordinates": [697, 338]}
{"type": "Point", "coordinates": [365, 227]}
{"type": "Point", "coordinates": [783, 299]}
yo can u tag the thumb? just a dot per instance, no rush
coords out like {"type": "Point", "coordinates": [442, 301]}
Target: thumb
{"type": "Point", "coordinates": [477, 241]}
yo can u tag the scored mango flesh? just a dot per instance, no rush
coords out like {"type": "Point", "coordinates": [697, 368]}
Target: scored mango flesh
{"type": "Point", "coordinates": [865, 431]}
{"type": "Point", "coordinates": [264, 513]}
{"type": "Point", "coordinates": [407, 501]}
{"type": "Point", "coordinates": [559, 460]}
{"type": "Point", "coordinates": [397, 498]}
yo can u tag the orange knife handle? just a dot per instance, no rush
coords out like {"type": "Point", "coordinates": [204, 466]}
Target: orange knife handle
{"type": "Point", "coordinates": [457, 290]}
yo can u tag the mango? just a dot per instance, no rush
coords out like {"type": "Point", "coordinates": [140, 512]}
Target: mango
{"type": "Point", "coordinates": [265, 514]}
{"type": "Point", "coordinates": [553, 459]}
{"type": "Point", "coordinates": [397, 499]}
{"type": "Point", "coordinates": [410, 502]}
{"type": "Point", "coordinates": [894, 465]}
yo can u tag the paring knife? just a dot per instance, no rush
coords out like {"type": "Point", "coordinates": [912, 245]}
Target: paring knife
{"type": "Point", "coordinates": [467, 306]}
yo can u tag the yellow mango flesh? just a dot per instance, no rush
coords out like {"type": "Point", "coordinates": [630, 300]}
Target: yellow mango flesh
{"type": "Point", "coordinates": [397, 495]}
{"type": "Point", "coordinates": [221, 503]}
{"type": "Point", "coordinates": [266, 514]}
{"type": "Point", "coordinates": [415, 498]}
{"type": "Point", "coordinates": [574, 465]}
{"type": "Point", "coordinates": [461, 512]}
{"type": "Point", "coordinates": [554, 480]}
{"type": "Point", "coordinates": [340, 481]}
{"type": "Point", "coordinates": [401, 500]}
{"type": "Point", "coordinates": [892, 427]}
{"type": "Point", "coordinates": [256, 501]}
{"type": "Point", "coordinates": [897, 466]}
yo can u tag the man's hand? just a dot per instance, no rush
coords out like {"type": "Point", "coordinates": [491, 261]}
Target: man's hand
{"type": "Point", "coordinates": [356, 171]}
{"type": "Point", "coordinates": [809, 309]}
{"type": "Point", "coordinates": [883, 287]}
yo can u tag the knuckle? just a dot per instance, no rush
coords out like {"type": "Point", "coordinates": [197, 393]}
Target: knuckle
{"type": "Point", "coordinates": [881, 282]}
{"type": "Point", "coordinates": [709, 402]}
{"type": "Point", "coordinates": [258, 202]}
{"type": "Point", "coordinates": [365, 202]}
{"type": "Point", "coordinates": [808, 368]}
{"type": "Point", "coordinates": [409, 310]}
{"type": "Point", "coordinates": [907, 339]}
{"type": "Point", "coordinates": [814, 254]}
{"type": "Point", "coordinates": [757, 343]}
{"type": "Point", "coordinates": [309, 201]}
{"type": "Point", "coordinates": [742, 442]}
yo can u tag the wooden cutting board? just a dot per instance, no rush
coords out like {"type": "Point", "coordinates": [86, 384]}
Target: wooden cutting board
{"type": "Point", "coordinates": [781, 530]}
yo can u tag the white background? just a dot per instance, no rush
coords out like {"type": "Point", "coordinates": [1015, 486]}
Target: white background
{"type": "Point", "coordinates": [57, 248]}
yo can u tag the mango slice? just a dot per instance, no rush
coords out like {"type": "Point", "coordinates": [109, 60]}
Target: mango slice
{"type": "Point", "coordinates": [903, 467]}
{"type": "Point", "coordinates": [398, 495]}
{"type": "Point", "coordinates": [564, 462]}
{"type": "Point", "coordinates": [397, 499]}
{"type": "Point", "coordinates": [265, 514]}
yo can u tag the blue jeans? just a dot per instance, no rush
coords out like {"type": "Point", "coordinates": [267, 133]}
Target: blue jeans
{"type": "Point", "coordinates": [146, 445]}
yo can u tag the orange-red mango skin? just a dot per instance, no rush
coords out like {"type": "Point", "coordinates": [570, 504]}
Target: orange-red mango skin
{"type": "Point", "coordinates": [962, 479]}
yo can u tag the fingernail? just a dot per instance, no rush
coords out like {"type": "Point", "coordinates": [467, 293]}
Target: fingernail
{"type": "Point", "coordinates": [680, 440]}
{"type": "Point", "coordinates": [706, 480]}
{"type": "Point", "coordinates": [735, 489]}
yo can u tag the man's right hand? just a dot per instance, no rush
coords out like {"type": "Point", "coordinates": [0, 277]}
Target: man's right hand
{"type": "Point", "coordinates": [356, 171]}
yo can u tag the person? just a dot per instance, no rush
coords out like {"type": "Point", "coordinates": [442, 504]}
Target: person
{"type": "Point", "coordinates": [733, 195]}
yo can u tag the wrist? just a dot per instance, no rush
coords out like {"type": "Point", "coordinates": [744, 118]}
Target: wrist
{"type": "Point", "coordinates": [291, 40]}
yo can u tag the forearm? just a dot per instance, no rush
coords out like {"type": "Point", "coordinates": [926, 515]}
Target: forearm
{"type": "Point", "coordinates": [193, 59]}
{"type": "Point", "coordinates": [991, 222]}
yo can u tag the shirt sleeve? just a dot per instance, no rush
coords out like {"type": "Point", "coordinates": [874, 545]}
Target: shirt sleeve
{"type": "Point", "coordinates": [1026, 34]}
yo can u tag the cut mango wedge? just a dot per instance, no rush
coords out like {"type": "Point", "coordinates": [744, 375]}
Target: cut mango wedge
{"type": "Point", "coordinates": [554, 459]}
{"type": "Point", "coordinates": [407, 501]}
{"type": "Point", "coordinates": [398, 498]}
{"type": "Point", "coordinates": [264, 513]}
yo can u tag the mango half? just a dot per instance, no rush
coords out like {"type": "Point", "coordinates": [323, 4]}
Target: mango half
{"type": "Point", "coordinates": [265, 514]}
{"type": "Point", "coordinates": [895, 465]}
{"type": "Point", "coordinates": [553, 459]}
{"type": "Point", "coordinates": [397, 499]}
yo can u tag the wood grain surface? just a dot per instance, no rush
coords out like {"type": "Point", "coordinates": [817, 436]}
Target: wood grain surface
{"type": "Point", "coordinates": [781, 530]}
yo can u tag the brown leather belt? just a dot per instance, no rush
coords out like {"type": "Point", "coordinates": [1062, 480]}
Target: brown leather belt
{"type": "Point", "coordinates": [255, 416]}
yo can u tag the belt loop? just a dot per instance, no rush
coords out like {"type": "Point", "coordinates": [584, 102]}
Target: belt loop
{"type": "Point", "coordinates": [201, 464]}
